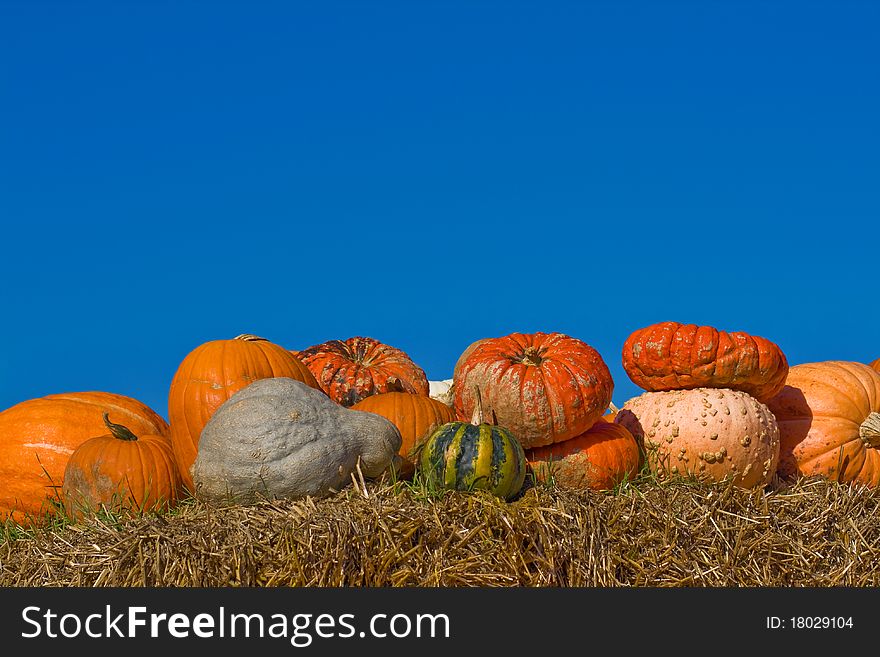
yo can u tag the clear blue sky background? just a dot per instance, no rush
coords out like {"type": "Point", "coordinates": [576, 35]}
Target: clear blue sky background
{"type": "Point", "coordinates": [429, 173]}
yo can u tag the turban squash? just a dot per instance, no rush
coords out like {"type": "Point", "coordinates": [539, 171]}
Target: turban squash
{"type": "Point", "coordinates": [544, 387]}
{"type": "Point", "coordinates": [829, 422]}
{"type": "Point", "coordinates": [209, 375]}
{"type": "Point", "coordinates": [38, 436]}
{"type": "Point", "coordinates": [673, 356]}
{"type": "Point", "coordinates": [353, 369]}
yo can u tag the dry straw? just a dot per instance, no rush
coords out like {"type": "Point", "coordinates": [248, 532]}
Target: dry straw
{"type": "Point", "coordinates": [814, 533]}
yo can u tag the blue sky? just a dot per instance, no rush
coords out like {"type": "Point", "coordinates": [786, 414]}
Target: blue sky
{"type": "Point", "coordinates": [429, 174]}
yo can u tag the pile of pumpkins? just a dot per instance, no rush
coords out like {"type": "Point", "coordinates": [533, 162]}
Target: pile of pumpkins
{"type": "Point", "coordinates": [250, 419]}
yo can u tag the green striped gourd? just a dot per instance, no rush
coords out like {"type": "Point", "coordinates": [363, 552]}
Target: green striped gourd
{"type": "Point", "coordinates": [474, 455]}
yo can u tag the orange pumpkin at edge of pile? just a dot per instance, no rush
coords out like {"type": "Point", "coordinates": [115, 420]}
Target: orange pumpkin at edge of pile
{"type": "Point", "coordinates": [38, 436]}
{"type": "Point", "coordinates": [829, 422]}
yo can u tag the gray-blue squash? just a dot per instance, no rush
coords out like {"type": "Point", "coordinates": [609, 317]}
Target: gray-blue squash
{"type": "Point", "coordinates": [279, 438]}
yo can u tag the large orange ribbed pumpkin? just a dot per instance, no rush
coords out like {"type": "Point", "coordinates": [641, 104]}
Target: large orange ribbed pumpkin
{"type": "Point", "coordinates": [353, 369]}
{"type": "Point", "coordinates": [121, 471]}
{"type": "Point", "coordinates": [544, 387]}
{"type": "Point", "coordinates": [600, 458]}
{"type": "Point", "coordinates": [829, 421]}
{"type": "Point", "coordinates": [209, 375]}
{"type": "Point", "coordinates": [673, 356]}
{"type": "Point", "coordinates": [38, 436]}
{"type": "Point", "coordinates": [415, 416]}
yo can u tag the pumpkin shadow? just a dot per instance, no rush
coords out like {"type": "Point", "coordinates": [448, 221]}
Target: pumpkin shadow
{"type": "Point", "coordinates": [792, 403]}
{"type": "Point", "coordinates": [631, 423]}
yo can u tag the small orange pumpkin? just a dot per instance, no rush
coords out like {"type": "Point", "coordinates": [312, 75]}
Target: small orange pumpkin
{"type": "Point", "coordinates": [209, 375]}
{"type": "Point", "coordinates": [415, 416]}
{"type": "Point", "coordinates": [876, 364]}
{"type": "Point", "coordinates": [601, 458]}
{"type": "Point", "coordinates": [121, 471]}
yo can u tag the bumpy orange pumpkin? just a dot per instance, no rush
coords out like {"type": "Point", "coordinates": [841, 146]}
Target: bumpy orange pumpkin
{"type": "Point", "coordinates": [673, 356]}
{"type": "Point", "coordinates": [829, 422]}
{"type": "Point", "coordinates": [544, 387]}
{"type": "Point", "coordinates": [715, 434]}
{"type": "Point", "coordinates": [38, 436]}
{"type": "Point", "coordinates": [353, 369]}
{"type": "Point", "coordinates": [121, 471]}
{"type": "Point", "coordinates": [209, 375]}
{"type": "Point", "coordinates": [415, 416]}
{"type": "Point", "coordinates": [600, 458]}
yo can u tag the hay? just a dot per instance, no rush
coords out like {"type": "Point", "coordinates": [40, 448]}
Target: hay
{"type": "Point", "coordinates": [814, 533]}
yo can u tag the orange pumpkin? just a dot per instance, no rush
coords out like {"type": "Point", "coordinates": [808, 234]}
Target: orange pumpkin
{"type": "Point", "coordinates": [209, 375]}
{"type": "Point", "coordinates": [353, 369]}
{"type": "Point", "coordinates": [415, 416]}
{"type": "Point", "coordinates": [600, 458]}
{"type": "Point", "coordinates": [464, 356]}
{"type": "Point", "coordinates": [121, 471]}
{"type": "Point", "coordinates": [829, 422]}
{"type": "Point", "coordinates": [673, 356]}
{"type": "Point", "coordinates": [544, 387]}
{"type": "Point", "coordinates": [38, 436]}
{"type": "Point", "coordinates": [876, 364]}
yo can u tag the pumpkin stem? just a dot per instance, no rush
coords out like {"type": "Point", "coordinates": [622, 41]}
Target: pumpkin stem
{"type": "Point", "coordinates": [477, 418]}
{"type": "Point", "coordinates": [613, 408]}
{"type": "Point", "coordinates": [119, 431]}
{"type": "Point", "coordinates": [250, 338]}
{"type": "Point", "coordinates": [531, 356]}
{"type": "Point", "coordinates": [870, 430]}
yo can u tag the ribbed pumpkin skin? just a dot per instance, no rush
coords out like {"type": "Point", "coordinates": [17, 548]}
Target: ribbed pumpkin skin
{"type": "Point", "coordinates": [465, 355]}
{"type": "Point", "coordinates": [464, 456]}
{"type": "Point", "coordinates": [38, 436]}
{"type": "Point", "coordinates": [673, 356]}
{"type": "Point", "coordinates": [598, 459]}
{"type": "Point", "coordinates": [820, 413]}
{"type": "Point", "coordinates": [415, 416]}
{"type": "Point", "coordinates": [716, 434]}
{"type": "Point", "coordinates": [353, 369]}
{"type": "Point", "coordinates": [876, 365]}
{"type": "Point", "coordinates": [544, 387]}
{"type": "Point", "coordinates": [209, 375]}
{"type": "Point", "coordinates": [137, 475]}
